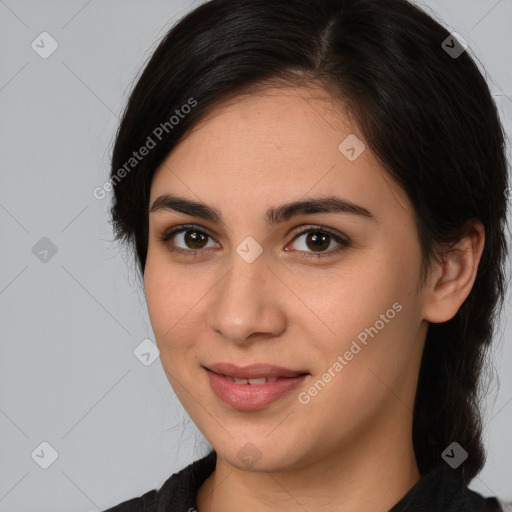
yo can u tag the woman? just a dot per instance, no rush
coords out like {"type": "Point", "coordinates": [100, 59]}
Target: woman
{"type": "Point", "coordinates": [316, 192]}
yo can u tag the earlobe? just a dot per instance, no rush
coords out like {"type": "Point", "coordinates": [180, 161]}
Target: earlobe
{"type": "Point", "coordinates": [452, 280]}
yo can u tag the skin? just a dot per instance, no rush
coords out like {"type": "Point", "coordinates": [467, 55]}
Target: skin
{"type": "Point", "coordinates": [350, 448]}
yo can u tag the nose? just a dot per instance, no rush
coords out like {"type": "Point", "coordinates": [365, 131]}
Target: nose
{"type": "Point", "coordinates": [248, 303]}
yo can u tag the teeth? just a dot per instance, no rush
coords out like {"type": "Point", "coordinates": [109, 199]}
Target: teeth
{"type": "Point", "coordinates": [254, 382]}
{"type": "Point", "coordinates": [258, 382]}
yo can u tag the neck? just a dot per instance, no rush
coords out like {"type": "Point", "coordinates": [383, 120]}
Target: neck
{"type": "Point", "coordinates": [345, 481]}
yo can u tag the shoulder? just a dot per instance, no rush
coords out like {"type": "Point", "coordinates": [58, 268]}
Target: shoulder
{"type": "Point", "coordinates": [473, 501]}
{"type": "Point", "coordinates": [462, 498]}
{"type": "Point", "coordinates": [146, 503]}
{"type": "Point", "coordinates": [178, 492]}
{"type": "Point", "coordinates": [506, 506]}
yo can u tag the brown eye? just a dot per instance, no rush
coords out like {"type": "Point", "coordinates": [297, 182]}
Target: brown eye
{"type": "Point", "coordinates": [186, 240]}
{"type": "Point", "coordinates": [317, 241]}
{"type": "Point", "coordinates": [191, 241]}
{"type": "Point", "coordinates": [194, 239]}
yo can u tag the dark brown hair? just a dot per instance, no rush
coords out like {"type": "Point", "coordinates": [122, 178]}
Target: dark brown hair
{"type": "Point", "coordinates": [426, 114]}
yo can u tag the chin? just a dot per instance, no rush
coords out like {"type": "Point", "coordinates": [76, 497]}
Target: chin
{"type": "Point", "coordinates": [259, 454]}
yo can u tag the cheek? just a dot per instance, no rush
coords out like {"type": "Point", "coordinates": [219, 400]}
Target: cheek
{"type": "Point", "coordinates": [169, 296]}
{"type": "Point", "coordinates": [359, 380]}
{"type": "Point", "coordinates": [351, 298]}
{"type": "Point", "coordinates": [375, 345]}
{"type": "Point", "coordinates": [370, 313]}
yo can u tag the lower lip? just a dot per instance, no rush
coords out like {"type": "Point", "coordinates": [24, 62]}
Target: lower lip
{"type": "Point", "coordinates": [248, 397]}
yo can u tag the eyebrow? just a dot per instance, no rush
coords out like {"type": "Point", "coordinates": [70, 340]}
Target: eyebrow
{"type": "Point", "coordinates": [274, 215]}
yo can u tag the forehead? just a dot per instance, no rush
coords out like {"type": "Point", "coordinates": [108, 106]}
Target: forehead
{"type": "Point", "coordinates": [283, 142]}
{"type": "Point", "coordinates": [274, 116]}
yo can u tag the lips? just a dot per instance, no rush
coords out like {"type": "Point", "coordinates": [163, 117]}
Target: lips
{"type": "Point", "coordinates": [254, 372]}
{"type": "Point", "coordinates": [249, 388]}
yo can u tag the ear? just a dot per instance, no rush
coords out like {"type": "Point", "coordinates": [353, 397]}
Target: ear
{"type": "Point", "coordinates": [450, 282]}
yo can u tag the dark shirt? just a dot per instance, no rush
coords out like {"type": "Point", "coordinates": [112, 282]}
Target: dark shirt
{"type": "Point", "coordinates": [440, 490]}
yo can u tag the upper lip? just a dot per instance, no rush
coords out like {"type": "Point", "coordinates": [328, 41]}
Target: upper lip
{"type": "Point", "coordinates": [253, 371]}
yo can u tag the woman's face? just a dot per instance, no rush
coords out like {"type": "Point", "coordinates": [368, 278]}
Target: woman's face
{"type": "Point", "coordinates": [337, 302]}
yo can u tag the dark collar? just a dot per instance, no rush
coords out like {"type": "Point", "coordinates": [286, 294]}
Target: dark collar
{"type": "Point", "coordinates": [440, 490]}
{"type": "Point", "coordinates": [443, 490]}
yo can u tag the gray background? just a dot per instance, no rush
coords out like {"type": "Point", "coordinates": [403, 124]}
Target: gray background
{"type": "Point", "coordinates": [70, 324]}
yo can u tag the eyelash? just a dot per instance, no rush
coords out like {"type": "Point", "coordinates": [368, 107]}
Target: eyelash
{"type": "Point", "coordinates": [195, 253]}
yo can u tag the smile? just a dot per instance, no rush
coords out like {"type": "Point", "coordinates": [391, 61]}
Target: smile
{"type": "Point", "coordinates": [253, 391]}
